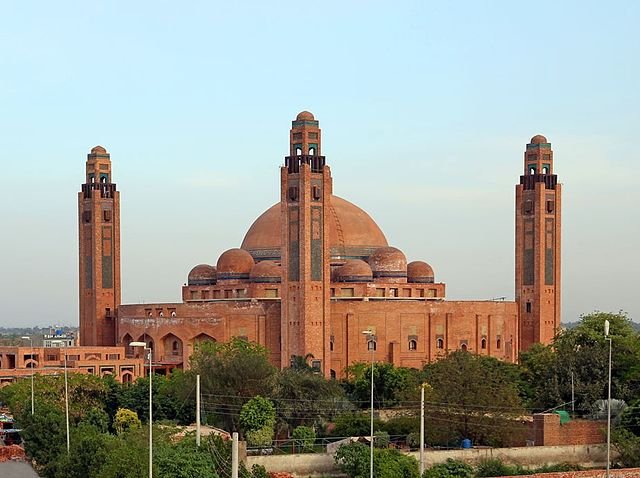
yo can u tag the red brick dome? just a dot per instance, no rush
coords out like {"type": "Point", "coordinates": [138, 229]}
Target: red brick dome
{"type": "Point", "coordinates": [234, 264]}
{"type": "Point", "coordinates": [352, 233]}
{"type": "Point", "coordinates": [388, 263]}
{"type": "Point", "coordinates": [202, 274]}
{"type": "Point", "coordinates": [538, 139]}
{"type": "Point", "coordinates": [354, 270]}
{"type": "Point", "coordinates": [266, 271]}
{"type": "Point", "coordinates": [305, 115]}
{"type": "Point", "coordinates": [98, 150]}
{"type": "Point", "coordinates": [420, 271]}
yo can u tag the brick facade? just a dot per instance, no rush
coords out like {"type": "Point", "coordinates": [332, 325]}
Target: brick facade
{"type": "Point", "coordinates": [315, 271]}
{"type": "Point", "coordinates": [547, 431]}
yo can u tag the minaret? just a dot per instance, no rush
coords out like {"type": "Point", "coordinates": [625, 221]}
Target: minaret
{"type": "Point", "coordinates": [99, 247]}
{"type": "Point", "coordinates": [538, 219]}
{"type": "Point", "coordinates": [305, 191]}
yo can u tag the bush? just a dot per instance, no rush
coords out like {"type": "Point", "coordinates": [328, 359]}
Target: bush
{"type": "Point", "coordinates": [493, 467]}
{"type": "Point", "coordinates": [450, 469]}
{"type": "Point", "coordinates": [353, 459]}
{"type": "Point", "coordinates": [381, 439]}
{"type": "Point", "coordinates": [304, 437]}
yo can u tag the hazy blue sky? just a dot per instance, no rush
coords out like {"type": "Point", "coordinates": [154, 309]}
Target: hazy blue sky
{"type": "Point", "coordinates": [425, 107]}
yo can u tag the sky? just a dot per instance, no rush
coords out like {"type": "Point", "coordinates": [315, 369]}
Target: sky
{"type": "Point", "coordinates": [425, 107]}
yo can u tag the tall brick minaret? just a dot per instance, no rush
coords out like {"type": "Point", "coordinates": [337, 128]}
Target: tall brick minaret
{"type": "Point", "coordinates": [305, 189]}
{"type": "Point", "coordinates": [99, 248]}
{"type": "Point", "coordinates": [538, 219]}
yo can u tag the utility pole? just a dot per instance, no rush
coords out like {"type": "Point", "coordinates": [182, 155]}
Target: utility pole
{"type": "Point", "coordinates": [234, 456]}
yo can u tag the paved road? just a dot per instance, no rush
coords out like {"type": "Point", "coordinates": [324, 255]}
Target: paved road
{"type": "Point", "coordinates": [16, 469]}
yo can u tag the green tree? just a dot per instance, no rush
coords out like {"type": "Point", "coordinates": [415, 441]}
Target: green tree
{"type": "Point", "coordinates": [232, 373]}
{"type": "Point", "coordinates": [584, 353]}
{"type": "Point", "coordinates": [392, 385]}
{"type": "Point", "coordinates": [471, 393]}
{"type": "Point", "coordinates": [306, 398]}
{"type": "Point", "coordinates": [258, 420]}
{"type": "Point", "coordinates": [184, 460]}
{"type": "Point", "coordinates": [88, 453]}
{"type": "Point", "coordinates": [126, 420]}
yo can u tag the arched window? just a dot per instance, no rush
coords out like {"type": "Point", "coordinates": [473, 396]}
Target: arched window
{"type": "Point", "coordinates": [332, 374]}
{"type": "Point", "coordinates": [498, 343]}
{"type": "Point", "coordinates": [312, 151]}
{"type": "Point", "coordinates": [463, 347]}
{"type": "Point", "coordinates": [413, 344]}
{"type": "Point", "coordinates": [439, 344]}
{"type": "Point", "coordinates": [483, 344]}
{"type": "Point", "coordinates": [298, 151]}
{"type": "Point", "coordinates": [544, 170]}
{"type": "Point", "coordinates": [532, 170]}
{"type": "Point", "coordinates": [331, 346]}
{"type": "Point", "coordinates": [372, 345]}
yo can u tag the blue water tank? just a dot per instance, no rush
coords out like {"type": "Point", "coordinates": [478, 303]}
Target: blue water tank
{"type": "Point", "coordinates": [466, 443]}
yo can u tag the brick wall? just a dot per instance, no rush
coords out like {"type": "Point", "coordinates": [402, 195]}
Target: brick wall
{"type": "Point", "coordinates": [548, 431]}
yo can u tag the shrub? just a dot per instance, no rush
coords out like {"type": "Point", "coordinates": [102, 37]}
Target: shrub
{"type": "Point", "coordinates": [450, 469]}
{"type": "Point", "coordinates": [304, 437]}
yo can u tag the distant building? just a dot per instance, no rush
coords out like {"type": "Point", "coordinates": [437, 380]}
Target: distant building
{"type": "Point", "coordinates": [58, 340]}
{"type": "Point", "coordinates": [314, 271]}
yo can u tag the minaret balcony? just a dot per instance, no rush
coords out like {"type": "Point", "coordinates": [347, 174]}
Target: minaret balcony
{"type": "Point", "coordinates": [106, 190]}
{"type": "Point", "coordinates": [529, 181]}
{"type": "Point", "coordinates": [293, 163]}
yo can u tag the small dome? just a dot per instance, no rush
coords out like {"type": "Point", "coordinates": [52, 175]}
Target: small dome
{"type": "Point", "coordinates": [98, 150]}
{"type": "Point", "coordinates": [388, 263]}
{"type": "Point", "coordinates": [234, 264]}
{"type": "Point", "coordinates": [266, 271]}
{"type": "Point", "coordinates": [420, 271]}
{"type": "Point", "coordinates": [305, 115]}
{"type": "Point", "coordinates": [202, 274]}
{"type": "Point", "coordinates": [538, 139]}
{"type": "Point", "coordinates": [354, 270]}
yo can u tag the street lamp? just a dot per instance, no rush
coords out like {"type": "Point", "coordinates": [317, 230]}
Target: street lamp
{"type": "Point", "coordinates": [31, 346]}
{"type": "Point", "coordinates": [144, 345]}
{"type": "Point", "coordinates": [607, 337]}
{"type": "Point", "coordinates": [371, 338]}
{"type": "Point", "coordinates": [66, 388]}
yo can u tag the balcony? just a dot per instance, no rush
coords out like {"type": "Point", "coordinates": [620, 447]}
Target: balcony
{"type": "Point", "coordinates": [106, 190]}
{"type": "Point", "coordinates": [293, 163]}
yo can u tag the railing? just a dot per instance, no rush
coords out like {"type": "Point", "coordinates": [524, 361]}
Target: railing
{"type": "Point", "coordinates": [529, 181]}
{"type": "Point", "coordinates": [294, 162]}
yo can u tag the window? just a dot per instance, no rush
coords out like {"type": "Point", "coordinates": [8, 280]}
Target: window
{"type": "Point", "coordinates": [333, 374]}
{"type": "Point", "coordinates": [413, 344]}
{"type": "Point", "coordinates": [315, 191]}
{"type": "Point", "coordinates": [228, 294]}
{"type": "Point", "coordinates": [293, 193]}
{"type": "Point", "coordinates": [439, 343]}
{"type": "Point", "coordinates": [393, 292]}
{"type": "Point", "coordinates": [379, 292]}
{"type": "Point", "coordinates": [316, 365]}
{"type": "Point", "coordinates": [528, 306]}
{"type": "Point", "coordinates": [271, 293]}
{"type": "Point", "coordinates": [347, 292]}
{"type": "Point", "coordinates": [527, 207]}
{"type": "Point", "coordinates": [331, 345]}
{"type": "Point", "coordinates": [372, 345]}
{"type": "Point", "coordinates": [106, 215]}
{"type": "Point", "coordinates": [312, 151]}
{"type": "Point", "coordinates": [463, 347]}
{"type": "Point", "coordinates": [194, 296]}
{"type": "Point", "coordinates": [549, 206]}
{"type": "Point", "coordinates": [242, 293]}
{"type": "Point", "coordinates": [86, 216]}
{"type": "Point", "coordinates": [483, 343]}
{"type": "Point", "coordinates": [498, 343]}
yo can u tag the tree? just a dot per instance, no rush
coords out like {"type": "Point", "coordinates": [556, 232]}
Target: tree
{"type": "Point", "coordinates": [258, 419]}
{"type": "Point", "coordinates": [470, 394]}
{"type": "Point", "coordinates": [126, 420]}
{"type": "Point", "coordinates": [184, 460]}
{"type": "Point", "coordinates": [44, 438]}
{"type": "Point", "coordinates": [583, 352]}
{"type": "Point", "coordinates": [392, 385]}
{"type": "Point", "coordinates": [232, 373]}
{"type": "Point", "coordinates": [307, 398]}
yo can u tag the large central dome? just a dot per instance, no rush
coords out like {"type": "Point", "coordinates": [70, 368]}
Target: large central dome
{"type": "Point", "coordinates": [352, 233]}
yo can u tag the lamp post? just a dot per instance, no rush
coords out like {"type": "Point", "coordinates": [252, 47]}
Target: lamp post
{"type": "Point", "coordinates": [372, 346]}
{"type": "Point", "coordinates": [144, 346]}
{"type": "Point", "coordinates": [607, 337]}
{"type": "Point", "coordinates": [31, 346]}
{"type": "Point", "coordinates": [66, 394]}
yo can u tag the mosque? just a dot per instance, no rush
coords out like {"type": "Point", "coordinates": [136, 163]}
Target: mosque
{"type": "Point", "coordinates": [314, 271]}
